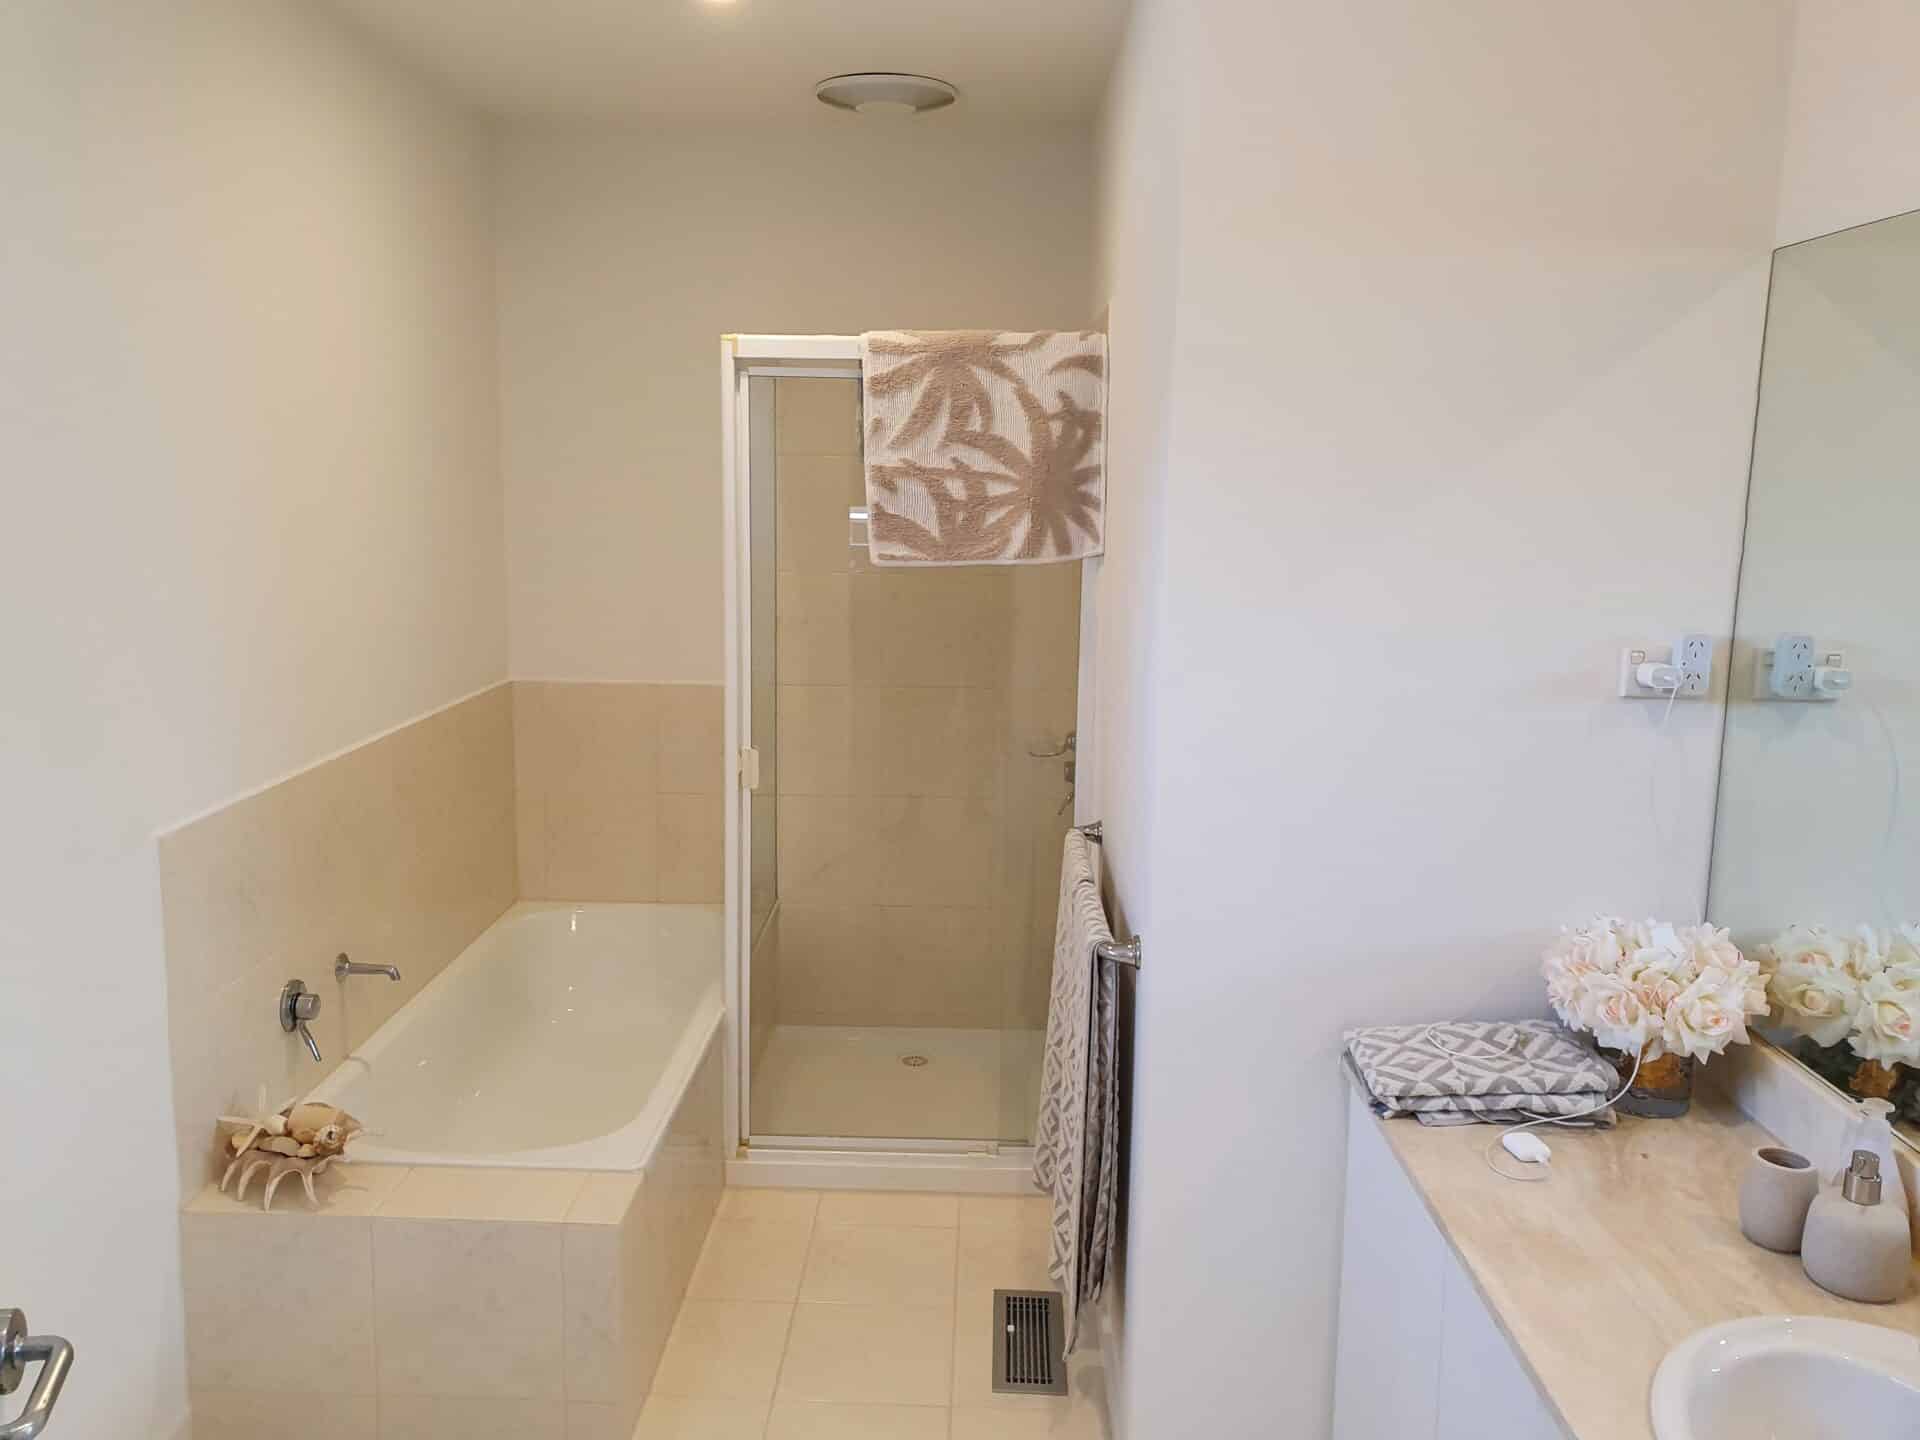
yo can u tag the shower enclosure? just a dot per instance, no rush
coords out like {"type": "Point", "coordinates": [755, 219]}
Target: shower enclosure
{"type": "Point", "coordinates": [896, 856]}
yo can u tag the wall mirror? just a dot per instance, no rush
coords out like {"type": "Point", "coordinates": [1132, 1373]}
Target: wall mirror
{"type": "Point", "coordinates": [1816, 851]}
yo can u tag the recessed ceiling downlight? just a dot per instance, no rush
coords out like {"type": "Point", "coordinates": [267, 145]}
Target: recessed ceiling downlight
{"type": "Point", "coordinates": [877, 93]}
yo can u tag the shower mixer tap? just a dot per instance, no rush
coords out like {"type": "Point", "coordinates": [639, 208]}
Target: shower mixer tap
{"type": "Point", "coordinates": [298, 1005]}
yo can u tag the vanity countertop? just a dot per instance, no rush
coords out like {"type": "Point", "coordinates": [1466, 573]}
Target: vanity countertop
{"type": "Point", "coordinates": [1631, 1246]}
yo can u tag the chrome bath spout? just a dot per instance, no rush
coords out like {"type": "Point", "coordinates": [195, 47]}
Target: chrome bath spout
{"type": "Point", "coordinates": [343, 967]}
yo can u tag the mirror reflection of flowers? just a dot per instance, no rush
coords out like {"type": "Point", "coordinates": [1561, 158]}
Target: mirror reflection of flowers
{"type": "Point", "coordinates": [1855, 997]}
{"type": "Point", "coordinates": [1653, 989]}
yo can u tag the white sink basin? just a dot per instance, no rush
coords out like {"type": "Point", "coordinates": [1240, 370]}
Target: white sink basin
{"type": "Point", "coordinates": [1785, 1377]}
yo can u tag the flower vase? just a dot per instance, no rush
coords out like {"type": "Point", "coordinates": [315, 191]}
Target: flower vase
{"type": "Point", "coordinates": [1662, 1090]}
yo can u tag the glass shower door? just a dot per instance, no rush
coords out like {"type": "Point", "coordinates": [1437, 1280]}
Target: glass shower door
{"type": "Point", "coordinates": [899, 981]}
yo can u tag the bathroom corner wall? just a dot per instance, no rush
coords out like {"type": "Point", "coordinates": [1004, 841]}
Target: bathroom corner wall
{"type": "Point", "coordinates": [619, 792]}
{"type": "Point", "coordinates": [398, 852]}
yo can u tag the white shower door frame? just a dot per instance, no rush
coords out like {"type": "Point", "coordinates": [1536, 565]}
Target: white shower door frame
{"type": "Point", "coordinates": [823, 1161]}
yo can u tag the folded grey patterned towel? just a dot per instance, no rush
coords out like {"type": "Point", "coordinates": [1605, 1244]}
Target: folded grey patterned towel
{"type": "Point", "coordinates": [1495, 1071]}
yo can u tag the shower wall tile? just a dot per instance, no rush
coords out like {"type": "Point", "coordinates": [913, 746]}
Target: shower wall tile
{"type": "Point", "coordinates": [924, 850]}
{"type": "Point", "coordinates": [812, 499]}
{"type": "Point", "coordinates": [927, 740]}
{"type": "Point", "coordinates": [817, 417]}
{"type": "Point", "coordinates": [816, 744]}
{"type": "Point", "coordinates": [817, 849]}
{"type": "Point", "coordinates": [929, 627]}
{"type": "Point", "coordinates": [399, 851]}
{"type": "Point", "coordinates": [814, 637]}
{"type": "Point", "coordinates": [692, 850]}
{"type": "Point", "coordinates": [619, 791]}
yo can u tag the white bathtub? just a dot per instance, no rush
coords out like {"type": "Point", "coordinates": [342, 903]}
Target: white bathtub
{"type": "Point", "coordinates": [562, 1038]}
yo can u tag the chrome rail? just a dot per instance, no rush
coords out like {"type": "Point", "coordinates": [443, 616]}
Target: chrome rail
{"type": "Point", "coordinates": [18, 1350]}
{"type": "Point", "coordinates": [1116, 952]}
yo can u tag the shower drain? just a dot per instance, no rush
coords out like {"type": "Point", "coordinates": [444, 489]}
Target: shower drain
{"type": "Point", "coordinates": [913, 1062]}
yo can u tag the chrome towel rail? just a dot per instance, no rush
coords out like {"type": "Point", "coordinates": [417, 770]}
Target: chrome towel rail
{"type": "Point", "coordinates": [1118, 952]}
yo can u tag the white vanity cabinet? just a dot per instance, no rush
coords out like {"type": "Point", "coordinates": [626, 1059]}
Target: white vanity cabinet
{"type": "Point", "coordinates": [1419, 1353]}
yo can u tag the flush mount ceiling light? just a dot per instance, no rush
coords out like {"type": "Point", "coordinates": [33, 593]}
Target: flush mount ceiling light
{"type": "Point", "coordinates": [877, 93]}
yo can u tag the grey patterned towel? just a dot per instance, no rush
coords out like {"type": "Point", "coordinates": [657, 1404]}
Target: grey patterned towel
{"type": "Point", "coordinates": [1498, 1071]}
{"type": "Point", "coordinates": [1076, 1138]}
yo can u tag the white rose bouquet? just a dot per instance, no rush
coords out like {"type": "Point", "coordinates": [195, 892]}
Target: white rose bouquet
{"type": "Point", "coordinates": [1861, 989]}
{"type": "Point", "coordinates": [1652, 989]}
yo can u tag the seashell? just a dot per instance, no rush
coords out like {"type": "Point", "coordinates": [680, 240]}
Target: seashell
{"type": "Point", "coordinates": [278, 1144]}
{"type": "Point", "coordinates": [306, 1120]}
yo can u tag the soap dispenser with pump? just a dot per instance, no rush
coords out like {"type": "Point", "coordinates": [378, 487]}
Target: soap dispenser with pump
{"type": "Point", "coordinates": [1856, 1243]}
{"type": "Point", "coordinates": [1871, 1128]}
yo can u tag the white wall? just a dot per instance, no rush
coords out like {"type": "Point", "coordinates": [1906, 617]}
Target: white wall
{"type": "Point", "coordinates": [1467, 305]}
{"type": "Point", "coordinates": [249, 458]}
{"type": "Point", "coordinates": [1853, 112]}
{"type": "Point", "coordinates": [626, 253]}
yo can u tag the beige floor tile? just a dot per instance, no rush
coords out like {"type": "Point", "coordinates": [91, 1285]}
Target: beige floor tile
{"type": "Point", "coordinates": [1000, 1260]}
{"type": "Point", "coordinates": [452, 1192]}
{"type": "Point", "coordinates": [1005, 1212]}
{"type": "Point", "coordinates": [1060, 1421]}
{"type": "Point", "coordinates": [252, 1414]}
{"type": "Point", "coordinates": [598, 1422]}
{"type": "Point", "coordinates": [461, 1417]}
{"type": "Point", "coordinates": [756, 1203]}
{"type": "Point", "coordinates": [868, 1355]}
{"type": "Point", "coordinates": [701, 1417]}
{"type": "Point", "coordinates": [973, 1342]}
{"type": "Point", "coordinates": [728, 1348]}
{"type": "Point", "coordinates": [880, 1265]}
{"type": "Point", "coordinates": [751, 1260]}
{"type": "Point", "coordinates": [857, 1422]}
{"type": "Point", "coordinates": [876, 1207]}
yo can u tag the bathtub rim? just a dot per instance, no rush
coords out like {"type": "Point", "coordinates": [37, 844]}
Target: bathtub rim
{"type": "Point", "coordinates": [629, 1149]}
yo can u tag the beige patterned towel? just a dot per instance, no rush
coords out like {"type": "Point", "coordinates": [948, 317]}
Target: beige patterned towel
{"type": "Point", "coordinates": [1077, 1135]}
{"type": "Point", "coordinates": [984, 448]}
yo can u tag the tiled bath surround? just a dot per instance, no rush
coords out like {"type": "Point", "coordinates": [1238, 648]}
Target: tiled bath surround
{"type": "Point", "coordinates": [400, 852]}
{"type": "Point", "coordinates": [432, 1302]}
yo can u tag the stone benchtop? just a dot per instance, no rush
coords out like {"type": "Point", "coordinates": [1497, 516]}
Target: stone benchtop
{"type": "Point", "coordinates": [1630, 1247]}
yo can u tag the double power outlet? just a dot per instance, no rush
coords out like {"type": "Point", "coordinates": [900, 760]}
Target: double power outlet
{"type": "Point", "coordinates": [1658, 672]}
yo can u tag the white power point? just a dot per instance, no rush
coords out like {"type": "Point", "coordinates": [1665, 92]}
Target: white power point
{"type": "Point", "coordinates": [1683, 670]}
{"type": "Point", "coordinates": [1790, 671]}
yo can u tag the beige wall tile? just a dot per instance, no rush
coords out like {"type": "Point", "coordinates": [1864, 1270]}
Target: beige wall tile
{"type": "Point", "coordinates": [400, 851]}
{"type": "Point", "coordinates": [927, 740]}
{"type": "Point", "coordinates": [812, 509]}
{"type": "Point", "coordinates": [343, 1190]}
{"type": "Point", "coordinates": [764, 987]}
{"type": "Point", "coordinates": [587, 760]}
{"type": "Point", "coordinates": [929, 965]}
{"type": "Point", "coordinates": [817, 859]}
{"type": "Point", "coordinates": [868, 1355]}
{"type": "Point", "coordinates": [597, 1338]}
{"type": "Point", "coordinates": [604, 1199]}
{"type": "Point", "coordinates": [692, 739]}
{"type": "Point", "coordinates": [281, 1414]}
{"type": "Point", "coordinates": [692, 848]}
{"type": "Point", "coordinates": [814, 638]}
{"type": "Point", "coordinates": [468, 1308]}
{"type": "Point", "coordinates": [824, 977]}
{"type": "Point", "coordinates": [1043, 605]}
{"type": "Point", "coordinates": [453, 1192]}
{"type": "Point", "coordinates": [918, 850]}
{"type": "Point", "coordinates": [929, 627]}
{"type": "Point", "coordinates": [817, 417]}
{"type": "Point", "coordinates": [880, 1265]}
{"type": "Point", "coordinates": [461, 1417]}
{"type": "Point", "coordinates": [261, 1288]}
{"type": "Point", "coordinates": [816, 740]}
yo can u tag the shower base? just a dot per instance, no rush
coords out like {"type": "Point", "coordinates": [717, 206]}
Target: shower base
{"type": "Point", "coordinates": [859, 1082]}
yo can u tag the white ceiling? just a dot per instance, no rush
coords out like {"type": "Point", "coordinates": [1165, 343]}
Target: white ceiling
{"type": "Point", "coordinates": [1009, 58]}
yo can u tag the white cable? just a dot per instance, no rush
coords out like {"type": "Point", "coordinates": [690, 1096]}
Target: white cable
{"type": "Point", "coordinates": [1540, 1172]}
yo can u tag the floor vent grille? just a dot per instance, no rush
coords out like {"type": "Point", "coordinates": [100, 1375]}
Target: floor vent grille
{"type": "Point", "coordinates": [1029, 1358]}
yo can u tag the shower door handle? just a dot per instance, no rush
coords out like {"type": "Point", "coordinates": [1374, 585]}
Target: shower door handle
{"type": "Point", "coordinates": [18, 1350]}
